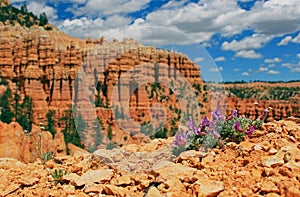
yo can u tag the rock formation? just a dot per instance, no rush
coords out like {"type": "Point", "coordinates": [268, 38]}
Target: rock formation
{"type": "Point", "coordinates": [265, 164]}
{"type": "Point", "coordinates": [23, 146]}
{"type": "Point", "coordinates": [44, 65]}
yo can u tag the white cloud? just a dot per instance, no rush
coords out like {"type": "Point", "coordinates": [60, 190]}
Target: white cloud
{"type": "Point", "coordinates": [199, 59]}
{"type": "Point", "coordinates": [217, 69]}
{"type": "Point", "coordinates": [83, 27]}
{"type": "Point", "coordinates": [285, 41]}
{"type": "Point", "coordinates": [248, 54]}
{"type": "Point", "coordinates": [271, 65]}
{"type": "Point", "coordinates": [220, 59]}
{"type": "Point", "coordinates": [273, 72]}
{"type": "Point", "coordinates": [245, 74]}
{"type": "Point", "coordinates": [99, 8]}
{"type": "Point", "coordinates": [38, 8]}
{"type": "Point", "coordinates": [268, 19]}
{"type": "Point", "coordinates": [275, 17]}
{"type": "Point", "coordinates": [174, 4]}
{"type": "Point", "coordinates": [293, 67]}
{"type": "Point", "coordinates": [256, 41]}
{"type": "Point", "coordinates": [298, 55]}
{"type": "Point", "coordinates": [274, 60]}
{"type": "Point", "coordinates": [296, 39]}
{"type": "Point", "coordinates": [262, 69]}
{"type": "Point", "coordinates": [236, 69]}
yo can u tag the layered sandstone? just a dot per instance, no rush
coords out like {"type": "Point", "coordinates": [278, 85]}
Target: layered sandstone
{"type": "Point", "coordinates": [45, 65]}
{"type": "Point", "coordinates": [254, 107]}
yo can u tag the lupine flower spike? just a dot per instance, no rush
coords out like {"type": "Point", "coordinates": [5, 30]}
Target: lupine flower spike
{"type": "Point", "coordinates": [233, 115]}
{"type": "Point", "coordinates": [250, 131]}
{"type": "Point", "coordinates": [180, 139]}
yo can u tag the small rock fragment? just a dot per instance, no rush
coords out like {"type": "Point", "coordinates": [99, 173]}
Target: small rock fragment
{"type": "Point", "coordinates": [69, 189]}
{"type": "Point", "coordinates": [12, 188]}
{"type": "Point", "coordinates": [153, 192]}
{"type": "Point", "coordinates": [28, 181]}
{"type": "Point", "coordinates": [210, 188]}
{"type": "Point", "coordinates": [271, 161]}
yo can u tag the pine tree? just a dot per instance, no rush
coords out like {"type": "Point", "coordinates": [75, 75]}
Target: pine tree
{"type": "Point", "coordinates": [43, 19]}
{"type": "Point", "coordinates": [25, 118]}
{"type": "Point", "coordinates": [50, 122]}
{"type": "Point", "coordinates": [98, 138]}
{"type": "Point", "coordinates": [5, 103]}
{"type": "Point", "coordinates": [70, 131]}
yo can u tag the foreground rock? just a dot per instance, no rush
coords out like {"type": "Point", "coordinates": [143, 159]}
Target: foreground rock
{"type": "Point", "coordinates": [18, 144]}
{"type": "Point", "coordinates": [266, 164]}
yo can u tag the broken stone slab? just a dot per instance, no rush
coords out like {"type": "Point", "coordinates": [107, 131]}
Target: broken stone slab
{"type": "Point", "coordinates": [91, 176]}
{"type": "Point", "coordinates": [94, 176]}
{"type": "Point", "coordinates": [271, 161]}
{"type": "Point", "coordinates": [210, 188]}
{"type": "Point", "coordinates": [153, 192]}
{"type": "Point", "coordinates": [12, 188]}
{"type": "Point", "coordinates": [28, 181]}
{"type": "Point", "coordinates": [133, 161]}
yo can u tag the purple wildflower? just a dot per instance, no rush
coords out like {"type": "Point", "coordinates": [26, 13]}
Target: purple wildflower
{"type": "Point", "coordinates": [234, 113]}
{"type": "Point", "coordinates": [205, 122]}
{"type": "Point", "coordinates": [191, 124]}
{"type": "Point", "coordinates": [198, 131]}
{"type": "Point", "coordinates": [237, 126]}
{"type": "Point", "coordinates": [217, 114]}
{"type": "Point", "coordinates": [250, 131]}
{"type": "Point", "coordinates": [216, 133]}
{"type": "Point", "coordinates": [180, 139]}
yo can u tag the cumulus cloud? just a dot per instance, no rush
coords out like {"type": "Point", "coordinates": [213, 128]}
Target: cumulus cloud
{"type": "Point", "coordinates": [83, 27]}
{"type": "Point", "coordinates": [217, 69]}
{"type": "Point", "coordinates": [201, 20]}
{"type": "Point", "coordinates": [271, 65]}
{"type": "Point", "coordinates": [273, 72]}
{"type": "Point", "coordinates": [274, 60]}
{"type": "Point", "coordinates": [220, 59]}
{"type": "Point", "coordinates": [285, 41]}
{"type": "Point", "coordinates": [100, 8]}
{"type": "Point", "coordinates": [296, 39]}
{"type": "Point", "coordinates": [199, 59]}
{"type": "Point", "coordinates": [236, 69]}
{"type": "Point", "coordinates": [262, 69]}
{"type": "Point", "coordinates": [251, 54]}
{"type": "Point", "coordinates": [38, 8]}
{"type": "Point", "coordinates": [294, 67]}
{"type": "Point", "coordinates": [245, 74]}
{"type": "Point", "coordinates": [256, 41]}
{"type": "Point", "coordinates": [298, 55]}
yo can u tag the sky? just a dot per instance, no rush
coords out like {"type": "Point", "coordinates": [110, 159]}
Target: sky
{"type": "Point", "coordinates": [231, 40]}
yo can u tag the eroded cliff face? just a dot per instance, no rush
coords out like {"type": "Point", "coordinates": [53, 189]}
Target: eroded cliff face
{"type": "Point", "coordinates": [288, 104]}
{"type": "Point", "coordinates": [44, 65]}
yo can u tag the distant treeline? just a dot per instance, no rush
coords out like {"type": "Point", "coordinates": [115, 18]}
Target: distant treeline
{"type": "Point", "coordinates": [23, 17]}
{"type": "Point", "coordinates": [242, 81]}
{"type": "Point", "coordinates": [251, 81]}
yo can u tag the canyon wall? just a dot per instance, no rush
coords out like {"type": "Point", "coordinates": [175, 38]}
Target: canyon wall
{"type": "Point", "coordinates": [44, 65]}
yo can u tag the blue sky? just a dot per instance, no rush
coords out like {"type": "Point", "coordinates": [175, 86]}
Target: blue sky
{"type": "Point", "coordinates": [230, 39]}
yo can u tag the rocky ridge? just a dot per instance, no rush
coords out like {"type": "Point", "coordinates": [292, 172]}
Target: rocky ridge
{"type": "Point", "coordinates": [265, 164]}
